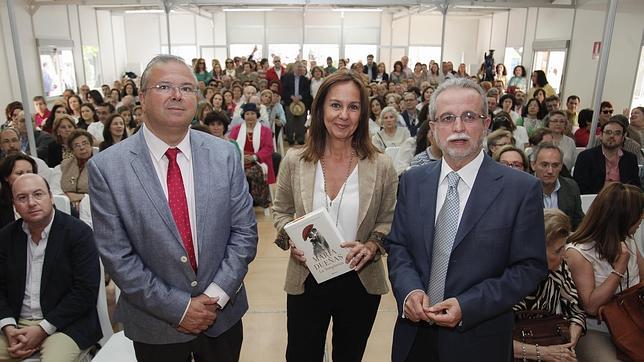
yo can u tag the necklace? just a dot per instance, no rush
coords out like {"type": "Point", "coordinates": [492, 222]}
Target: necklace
{"type": "Point", "coordinates": [327, 200]}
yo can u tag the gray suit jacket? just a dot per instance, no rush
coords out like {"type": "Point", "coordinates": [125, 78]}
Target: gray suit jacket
{"type": "Point", "coordinates": [141, 247]}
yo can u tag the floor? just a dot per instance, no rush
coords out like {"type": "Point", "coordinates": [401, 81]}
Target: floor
{"type": "Point", "coordinates": [265, 322]}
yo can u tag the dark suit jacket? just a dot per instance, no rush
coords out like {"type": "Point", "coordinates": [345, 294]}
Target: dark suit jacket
{"type": "Point", "coordinates": [374, 70]}
{"type": "Point", "coordinates": [70, 277]}
{"type": "Point", "coordinates": [413, 129]}
{"type": "Point", "coordinates": [569, 200]}
{"type": "Point", "coordinates": [54, 154]}
{"type": "Point", "coordinates": [498, 257]}
{"type": "Point", "coordinates": [590, 170]}
{"type": "Point", "coordinates": [288, 89]}
{"type": "Point", "coordinates": [385, 77]}
{"type": "Point", "coordinates": [43, 139]}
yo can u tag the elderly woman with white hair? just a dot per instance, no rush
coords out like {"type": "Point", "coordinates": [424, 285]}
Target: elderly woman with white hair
{"type": "Point", "coordinates": [391, 135]}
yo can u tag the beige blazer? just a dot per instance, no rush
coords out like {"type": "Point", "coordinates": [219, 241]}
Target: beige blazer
{"type": "Point", "coordinates": [378, 184]}
{"type": "Point", "coordinates": [72, 178]}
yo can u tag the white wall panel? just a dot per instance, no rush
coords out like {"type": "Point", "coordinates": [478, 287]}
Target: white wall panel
{"type": "Point", "coordinates": [459, 48]}
{"type": "Point", "coordinates": [320, 35]}
{"type": "Point", "coordinates": [220, 28]}
{"type": "Point", "coordinates": [385, 29]}
{"type": "Point", "coordinates": [204, 31]}
{"type": "Point", "coordinates": [75, 36]}
{"type": "Point", "coordinates": [105, 31]}
{"type": "Point", "coordinates": [322, 18]}
{"type": "Point", "coordinates": [142, 42]}
{"type": "Point", "coordinates": [51, 22]}
{"type": "Point", "coordinates": [555, 24]}
{"type": "Point", "coordinates": [483, 39]}
{"type": "Point", "coordinates": [88, 25]}
{"type": "Point", "coordinates": [426, 29]}
{"type": "Point", "coordinates": [400, 32]}
{"type": "Point", "coordinates": [120, 45]}
{"type": "Point", "coordinates": [499, 28]}
{"type": "Point", "coordinates": [361, 35]}
{"type": "Point", "coordinates": [529, 38]}
{"type": "Point", "coordinates": [516, 27]}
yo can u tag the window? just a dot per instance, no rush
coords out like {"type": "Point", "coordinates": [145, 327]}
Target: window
{"type": "Point", "coordinates": [209, 53]}
{"type": "Point", "coordinates": [638, 92]}
{"type": "Point", "coordinates": [187, 52]}
{"type": "Point", "coordinates": [357, 52]}
{"type": "Point", "coordinates": [288, 53]}
{"type": "Point", "coordinates": [244, 50]}
{"type": "Point", "coordinates": [422, 54]}
{"type": "Point", "coordinates": [552, 62]}
{"type": "Point", "coordinates": [512, 59]}
{"type": "Point", "coordinates": [92, 66]}
{"type": "Point", "coordinates": [319, 53]}
{"type": "Point", "coordinates": [57, 67]}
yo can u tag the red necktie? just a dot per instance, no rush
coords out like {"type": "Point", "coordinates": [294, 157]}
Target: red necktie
{"type": "Point", "coordinates": [179, 204]}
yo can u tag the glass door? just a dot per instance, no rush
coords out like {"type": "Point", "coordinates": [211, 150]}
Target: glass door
{"type": "Point", "coordinates": [552, 62]}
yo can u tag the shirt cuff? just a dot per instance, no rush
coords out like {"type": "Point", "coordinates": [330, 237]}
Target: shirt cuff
{"type": "Point", "coordinates": [47, 327]}
{"type": "Point", "coordinates": [214, 291]}
{"type": "Point", "coordinates": [185, 311]}
{"type": "Point", "coordinates": [7, 322]}
{"type": "Point", "coordinates": [405, 301]}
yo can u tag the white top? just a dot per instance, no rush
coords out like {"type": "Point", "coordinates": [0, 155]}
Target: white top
{"type": "Point", "coordinates": [520, 137]}
{"type": "Point", "coordinates": [405, 155]}
{"type": "Point", "coordinates": [468, 176]}
{"type": "Point", "coordinates": [96, 130]}
{"type": "Point", "coordinates": [382, 140]}
{"type": "Point", "coordinates": [157, 149]}
{"type": "Point", "coordinates": [31, 308]}
{"type": "Point", "coordinates": [568, 148]}
{"type": "Point", "coordinates": [344, 211]}
{"type": "Point", "coordinates": [315, 85]}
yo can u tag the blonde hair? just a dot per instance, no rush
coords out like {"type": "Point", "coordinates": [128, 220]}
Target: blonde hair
{"type": "Point", "coordinates": [557, 225]}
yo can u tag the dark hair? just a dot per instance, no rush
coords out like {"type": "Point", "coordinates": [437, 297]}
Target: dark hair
{"type": "Point", "coordinates": [132, 122]}
{"type": "Point", "coordinates": [12, 107]}
{"type": "Point", "coordinates": [505, 71]}
{"type": "Point", "coordinates": [510, 97]}
{"type": "Point", "coordinates": [80, 133]}
{"type": "Point", "coordinates": [108, 140]}
{"type": "Point", "coordinates": [617, 208]}
{"type": "Point", "coordinates": [503, 120]}
{"type": "Point", "coordinates": [585, 117]}
{"type": "Point", "coordinates": [613, 120]}
{"type": "Point", "coordinates": [49, 123]}
{"type": "Point", "coordinates": [96, 96]}
{"type": "Point", "coordinates": [200, 127]}
{"type": "Point", "coordinates": [540, 78]}
{"type": "Point", "coordinates": [571, 98]}
{"type": "Point", "coordinates": [537, 91]}
{"type": "Point", "coordinates": [421, 135]}
{"type": "Point", "coordinates": [216, 116]}
{"type": "Point", "coordinates": [109, 106]}
{"type": "Point", "coordinates": [316, 141]}
{"type": "Point", "coordinates": [39, 98]}
{"type": "Point", "coordinates": [523, 72]}
{"type": "Point", "coordinates": [57, 124]}
{"type": "Point", "coordinates": [398, 62]}
{"type": "Point", "coordinates": [135, 91]}
{"type": "Point", "coordinates": [541, 112]}
{"type": "Point", "coordinates": [382, 106]}
{"type": "Point", "coordinates": [6, 168]}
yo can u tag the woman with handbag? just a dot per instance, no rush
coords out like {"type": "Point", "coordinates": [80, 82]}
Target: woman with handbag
{"type": "Point", "coordinates": [557, 290]}
{"type": "Point", "coordinates": [338, 169]}
{"type": "Point", "coordinates": [604, 260]}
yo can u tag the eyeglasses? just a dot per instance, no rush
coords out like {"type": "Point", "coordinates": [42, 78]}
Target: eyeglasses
{"type": "Point", "coordinates": [501, 144]}
{"type": "Point", "coordinates": [38, 195]}
{"type": "Point", "coordinates": [169, 89]}
{"type": "Point", "coordinates": [607, 111]}
{"type": "Point", "coordinates": [77, 146]}
{"type": "Point", "coordinates": [613, 133]}
{"type": "Point", "coordinates": [466, 117]}
{"type": "Point", "coordinates": [516, 165]}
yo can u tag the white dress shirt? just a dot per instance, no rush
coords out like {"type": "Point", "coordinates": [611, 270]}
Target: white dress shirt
{"type": "Point", "coordinates": [31, 309]}
{"type": "Point", "coordinates": [157, 149]}
{"type": "Point", "coordinates": [468, 176]}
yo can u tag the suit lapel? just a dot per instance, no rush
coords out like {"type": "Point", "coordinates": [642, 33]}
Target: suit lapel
{"type": "Point", "coordinates": [20, 258]}
{"type": "Point", "coordinates": [486, 188]}
{"type": "Point", "coordinates": [202, 188]}
{"type": "Point", "coordinates": [367, 170]}
{"type": "Point", "coordinates": [147, 176]}
{"type": "Point", "coordinates": [427, 203]}
{"type": "Point", "coordinates": [54, 244]}
{"type": "Point", "coordinates": [307, 183]}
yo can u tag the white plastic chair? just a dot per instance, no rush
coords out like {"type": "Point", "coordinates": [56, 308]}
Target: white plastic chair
{"type": "Point", "coordinates": [101, 307]}
{"type": "Point", "coordinates": [586, 200]}
{"type": "Point", "coordinates": [62, 203]}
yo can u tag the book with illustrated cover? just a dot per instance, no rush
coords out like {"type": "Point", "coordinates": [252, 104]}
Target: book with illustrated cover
{"type": "Point", "coordinates": [318, 237]}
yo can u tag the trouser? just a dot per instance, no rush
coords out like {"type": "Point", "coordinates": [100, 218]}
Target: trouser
{"type": "Point", "coordinates": [294, 129]}
{"type": "Point", "coordinates": [342, 298]}
{"type": "Point", "coordinates": [58, 347]}
{"type": "Point", "coordinates": [596, 346]}
{"type": "Point", "coordinates": [223, 348]}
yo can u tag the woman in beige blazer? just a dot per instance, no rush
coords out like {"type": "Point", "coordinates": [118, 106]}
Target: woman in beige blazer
{"type": "Point", "coordinates": [339, 169]}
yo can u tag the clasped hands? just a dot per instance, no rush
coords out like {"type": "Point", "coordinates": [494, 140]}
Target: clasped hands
{"type": "Point", "coordinates": [25, 341]}
{"type": "Point", "coordinates": [445, 314]}
{"type": "Point", "coordinates": [201, 314]}
{"type": "Point", "coordinates": [358, 256]}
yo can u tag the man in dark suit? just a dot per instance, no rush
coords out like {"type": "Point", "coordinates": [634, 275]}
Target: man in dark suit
{"type": "Point", "coordinates": [49, 279]}
{"type": "Point", "coordinates": [607, 162]}
{"type": "Point", "coordinates": [466, 243]}
{"type": "Point", "coordinates": [410, 114]}
{"type": "Point", "coordinates": [558, 192]}
{"type": "Point", "coordinates": [371, 68]}
{"type": "Point", "coordinates": [296, 87]}
{"type": "Point", "coordinates": [175, 226]}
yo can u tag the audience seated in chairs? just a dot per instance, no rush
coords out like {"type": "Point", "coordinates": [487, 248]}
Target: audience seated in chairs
{"type": "Point", "coordinates": [607, 162]}
{"type": "Point", "coordinates": [604, 259]}
{"type": "Point", "coordinates": [558, 192]}
{"type": "Point", "coordinates": [256, 142]}
{"type": "Point", "coordinates": [47, 304]}
{"type": "Point", "coordinates": [10, 144]}
{"type": "Point", "coordinates": [556, 292]}
{"type": "Point", "coordinates": [11, 168]}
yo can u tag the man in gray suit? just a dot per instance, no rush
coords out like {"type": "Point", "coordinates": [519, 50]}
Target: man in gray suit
{"type": "Point", "coordinates": [175, 226]}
